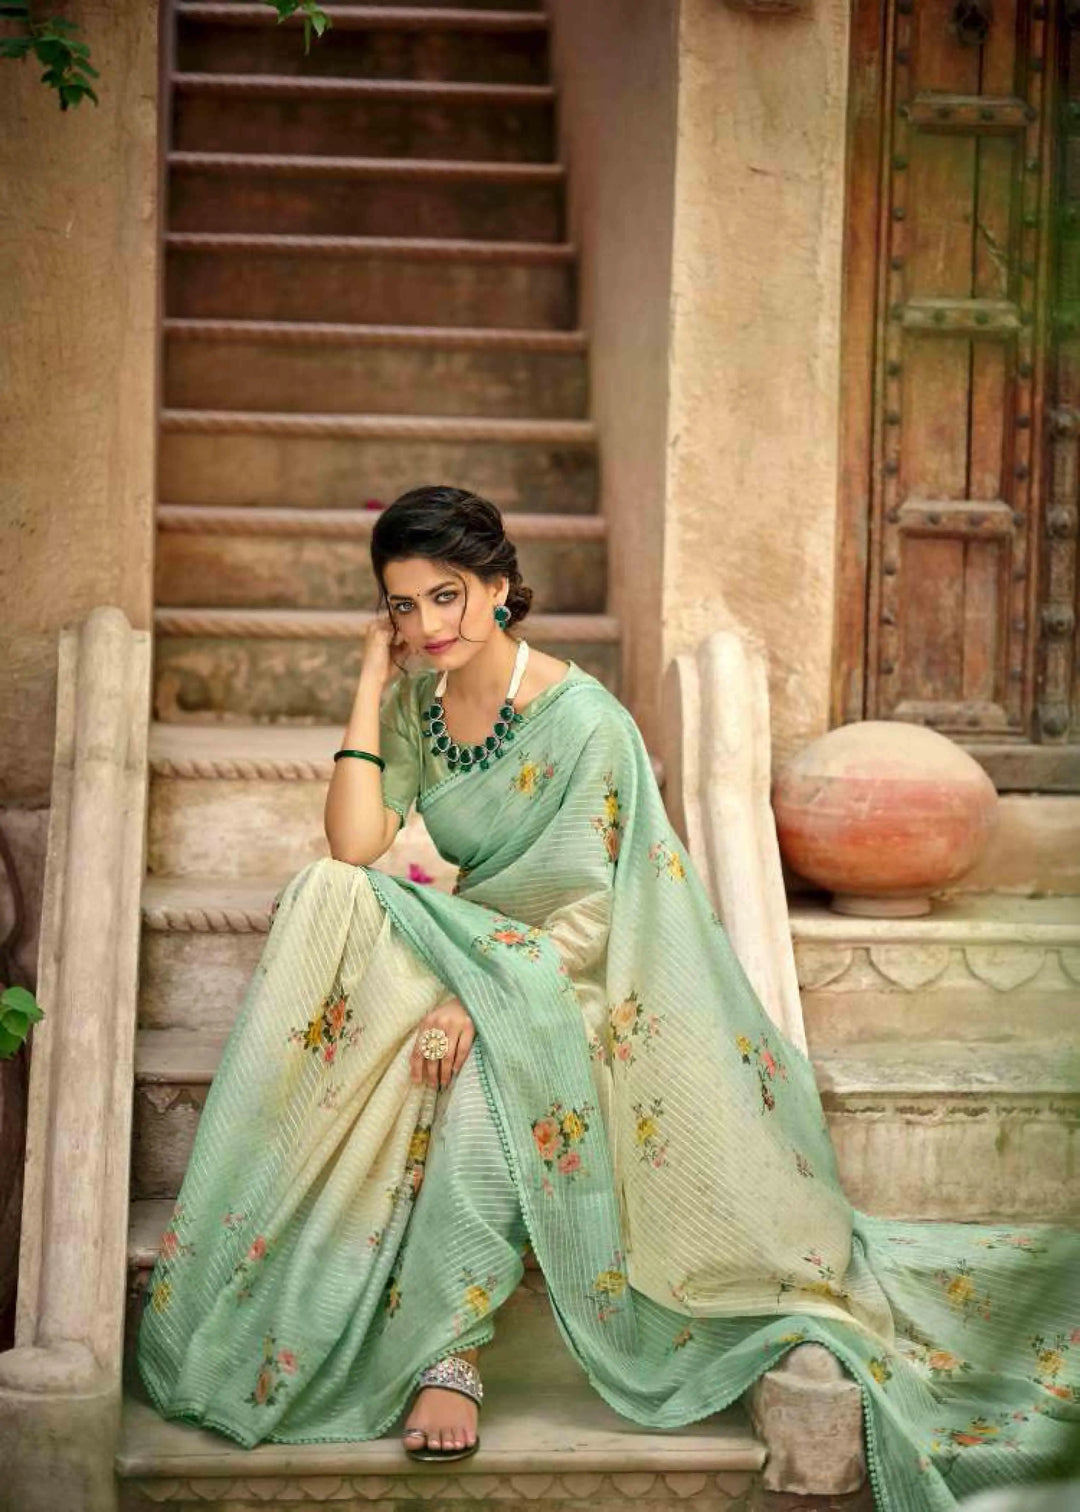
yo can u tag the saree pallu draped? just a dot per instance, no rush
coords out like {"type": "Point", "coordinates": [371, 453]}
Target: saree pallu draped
{"type": "Point", "coordinates": [628, 1108]}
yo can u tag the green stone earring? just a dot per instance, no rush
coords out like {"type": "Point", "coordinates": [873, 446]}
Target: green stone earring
{"type": "Point", "coordinates": [502, 615]}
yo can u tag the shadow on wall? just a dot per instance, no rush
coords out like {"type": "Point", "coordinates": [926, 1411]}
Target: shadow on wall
{"type": "Point", "coordinates": [14, 1080]}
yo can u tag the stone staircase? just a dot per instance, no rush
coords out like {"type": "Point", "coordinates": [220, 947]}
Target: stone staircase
{"type": "Point", "coordinates": [367, 287]}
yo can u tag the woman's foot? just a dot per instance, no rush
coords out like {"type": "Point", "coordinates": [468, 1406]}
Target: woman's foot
{"type": "Point", "coordinates": [442, 1419]}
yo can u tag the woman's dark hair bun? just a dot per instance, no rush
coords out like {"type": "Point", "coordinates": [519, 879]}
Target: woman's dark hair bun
{"type": "Point", "coordinates": [454, 526]}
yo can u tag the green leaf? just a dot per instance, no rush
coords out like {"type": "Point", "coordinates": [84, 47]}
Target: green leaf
{"type": "Point", "coordinates": [51, 51]}
{"type": "Point", "coordinates": [23, 1001]}
{"type": "Point", "coordinates": [15, 1022]}
{"type": "Point", "coordinates": [77, 93]}
{"type": "Point", "coordinates": [8, 1044]}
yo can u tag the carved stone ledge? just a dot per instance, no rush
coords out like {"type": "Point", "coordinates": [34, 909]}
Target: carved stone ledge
{"type": "Point", "coordinates": [914, 968]}
{"type": "Point", "coordinates": [581, 1492]}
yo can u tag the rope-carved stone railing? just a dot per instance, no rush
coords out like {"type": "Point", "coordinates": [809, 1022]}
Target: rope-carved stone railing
{"type": "Point", "coordinates": [243, 768]}
{"type": "Point", "coordinates": [416, 249]}
{"type": "Point", "coordinates": [349, 624]}
{"type": "Point", "coordinates": [60, 1386]}
{"type": "Point", "coordinates": [164, 920]}
{"type": "Point", "coordinates": [381, 427]}
{"type": "Point", "coordinates": [302, 333]}
{"type": "Point", "coordinates": [348, 524]}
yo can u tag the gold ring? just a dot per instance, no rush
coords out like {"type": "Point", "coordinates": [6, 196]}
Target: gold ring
{"type": "Point", "coordinates": [434, 1044]}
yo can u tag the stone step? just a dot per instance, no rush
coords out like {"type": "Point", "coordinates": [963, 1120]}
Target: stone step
{"type": "Point", "coordinates": [545, 1428]}
{"type": "Point", "coordinates": [236, 801]}
{"type": "Point", "coordinates": [984, 968]}
{"type": "Point", "coordinates": [201, 940]}
{"type": "Point", "coordinates": [307, 558]}
{"type": "Point", "coordinates": [203, 933]}
{"type": "Point", "coordinates": [335, 461]}
{"type": "Point", "coordinates": [967, 1132]}
{"type": "Point", "coordinates": [397, 280]}
{"type": "Point", "coordinates": [546, 1436]}
{"type": "Point", "coordinates": [373, 117]}
{"type": "Point", "coordinates": [173, 1072]}
{"type": "Point", "coordinates": [356, 196]}
{"type": "Point", "coordinates": [1034, 848]}
{"type": "Point", "coordinates": [295, 367]}
{"type": "Point", "coordinates": [301, 666]}
{"type": "Point", "coordinates": [379, 42]}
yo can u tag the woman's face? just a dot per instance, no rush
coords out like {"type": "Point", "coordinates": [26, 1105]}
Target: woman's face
{"type": "Point", "coordinates": [427, 603]}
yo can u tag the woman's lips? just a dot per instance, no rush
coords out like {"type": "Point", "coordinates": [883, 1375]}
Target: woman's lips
{"type": "Point", "coordinates": [441, 645]}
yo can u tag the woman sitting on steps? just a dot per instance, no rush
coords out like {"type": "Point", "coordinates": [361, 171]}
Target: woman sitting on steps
{"type": "Point", "coordinates": [564, 1052]}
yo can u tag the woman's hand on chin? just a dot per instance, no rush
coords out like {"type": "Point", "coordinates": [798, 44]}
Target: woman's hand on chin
{"type": "Point", "coordinates": [453, 1018]}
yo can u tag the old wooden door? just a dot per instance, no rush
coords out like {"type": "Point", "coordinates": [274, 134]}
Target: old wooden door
{"type": "Point", "coordinates": [961, 343]}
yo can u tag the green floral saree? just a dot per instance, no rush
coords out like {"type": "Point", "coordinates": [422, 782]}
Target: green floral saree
{"type": "Point", "coordinates": [628, 1108]}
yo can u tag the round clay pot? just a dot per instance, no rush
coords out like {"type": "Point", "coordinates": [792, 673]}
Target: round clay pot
{"type": "Point", "coordinates": [883, 813]}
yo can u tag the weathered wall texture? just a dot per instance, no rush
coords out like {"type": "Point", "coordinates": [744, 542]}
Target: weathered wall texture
{"type": "Point", "coordinates": [615, 63]}
{"type": "Point", "coordinates": [78, 281]}
{"type": "Point", "coordinates": [705, 148]}
{"type": "Point", "coordinates": [754, 366]}
{"type": "Point", "coordinates": [78, 285]}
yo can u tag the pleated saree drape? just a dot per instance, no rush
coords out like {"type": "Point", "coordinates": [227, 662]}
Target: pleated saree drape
{"type": "Point", "coordinates": [628, 1107]}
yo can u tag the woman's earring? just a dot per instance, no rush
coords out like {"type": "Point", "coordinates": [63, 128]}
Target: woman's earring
{"type": "Point", "coordinates": [502, 615]}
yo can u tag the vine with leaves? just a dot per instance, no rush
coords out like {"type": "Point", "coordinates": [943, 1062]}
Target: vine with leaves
{"type": "Point", "coordinates": [56, 43]}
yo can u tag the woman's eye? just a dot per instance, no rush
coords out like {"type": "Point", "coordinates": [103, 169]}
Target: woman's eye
{"type": "Point", "coordinates": [445, 597]}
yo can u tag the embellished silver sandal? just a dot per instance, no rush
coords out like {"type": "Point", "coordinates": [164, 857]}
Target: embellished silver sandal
{"type": "Point", "coordinates": [452, 1373]}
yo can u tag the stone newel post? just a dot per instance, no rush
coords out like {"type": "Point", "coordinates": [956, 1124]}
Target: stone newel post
{"type": "Point", "coordinates": [60, 1385]}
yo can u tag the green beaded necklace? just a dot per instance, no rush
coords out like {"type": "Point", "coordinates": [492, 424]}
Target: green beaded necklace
{"type": "Point", "coordinates": [469, 757]}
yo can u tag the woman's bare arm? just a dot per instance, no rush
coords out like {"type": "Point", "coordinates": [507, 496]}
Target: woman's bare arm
{"type": "Point", "coordinates": [359, 827]}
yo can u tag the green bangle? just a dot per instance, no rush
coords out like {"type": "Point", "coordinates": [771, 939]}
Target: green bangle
{"type": "Point", "coordinates": [366, 755]}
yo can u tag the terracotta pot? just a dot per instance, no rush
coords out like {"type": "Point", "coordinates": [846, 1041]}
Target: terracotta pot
{"type": "Point", "coordinates": [883, 813]}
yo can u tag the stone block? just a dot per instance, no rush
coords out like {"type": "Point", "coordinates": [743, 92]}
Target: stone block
{"type": "Point", "coordinates": [808, 1411]}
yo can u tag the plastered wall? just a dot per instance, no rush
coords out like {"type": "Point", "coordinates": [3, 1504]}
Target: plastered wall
{"type": "Point", "coordinates": [753, 444]}
{"type": "Point", "coordinates": [616, 66]}
{"type": "Point", "coordinates": [78, 279]}
{"type": "Point", "coordinates": [78, 282]}
{"type": "Point", "coordinates": [705, 147]}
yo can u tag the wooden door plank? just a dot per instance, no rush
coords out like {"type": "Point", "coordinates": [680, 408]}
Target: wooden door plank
{"type": "Point", "coordinates": [932, 620]}
{"type": "Point", "coordinates": [983, 594]}
{"type": "Point", "coordinates": [862, 245]}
